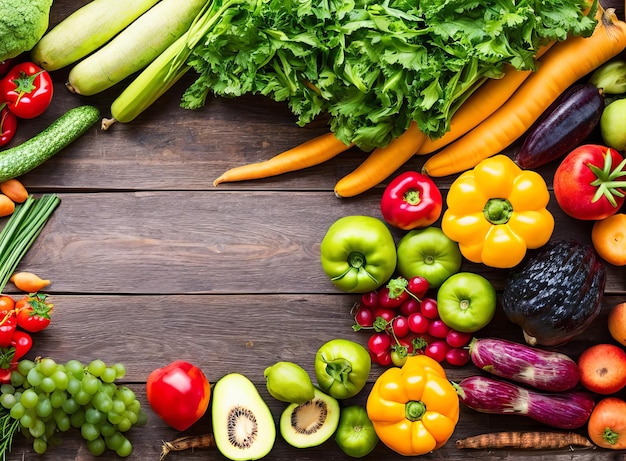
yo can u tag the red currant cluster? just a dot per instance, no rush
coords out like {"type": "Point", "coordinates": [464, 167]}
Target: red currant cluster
{"type": "Point", "coordinates": [406, 322]}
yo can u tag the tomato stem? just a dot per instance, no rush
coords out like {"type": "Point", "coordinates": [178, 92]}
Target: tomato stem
{"type": "Point", "coordinates": [609, 180]}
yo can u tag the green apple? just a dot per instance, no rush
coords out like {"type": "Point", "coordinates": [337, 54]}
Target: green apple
{"type": "Point", "coordinates": [466, 302]}
{"type": "Point", "coordinates": [613, 125]}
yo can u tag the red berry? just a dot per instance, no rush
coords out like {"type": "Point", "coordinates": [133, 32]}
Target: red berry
{"type": "Point", "coordinates": [429, 308]}
{"type": "Point", "coordinates": [438, 329]}
{"type": "Point", "coordinates": [458, 338]}
{"type": "Point", "coordinates": [418, 323]}
{"type": "Point", "coordinates": [437, 350]}
{"type": "Point", "coordinates": [387, 302]}
{"type": "Point", "coordinates": [457, 357]}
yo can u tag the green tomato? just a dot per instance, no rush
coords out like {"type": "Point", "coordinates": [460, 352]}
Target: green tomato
{"type": "Point", "coordinates": [355, 434]}
{"type": "Point", "coordinates": [342, 368]}
{"type": "Point", "coordinates": [428, 253]}
{"type": "Point", "coordinates": [613, 124]}
{"type": "Point", "coordinates": [466, 302]}
{"type": "Point", "coordinates": [289, 382]}
{"type": "Point", "coordinates": [358, 253]}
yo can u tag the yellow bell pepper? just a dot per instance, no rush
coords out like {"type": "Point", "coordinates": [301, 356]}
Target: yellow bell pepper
{"type": "Point", "coordinates": [497, 211]}
{"type": "Point", "coordinates": [414, 409]}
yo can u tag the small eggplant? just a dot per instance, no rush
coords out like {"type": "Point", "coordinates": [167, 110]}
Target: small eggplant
{"type": "Point", "coordinates": [562, 410]}
{"type": "Point", "coordinates": [563, 126]}
{"type": "Point", "coordinates": [541, 369]}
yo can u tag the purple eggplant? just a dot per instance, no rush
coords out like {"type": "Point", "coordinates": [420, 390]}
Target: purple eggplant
{"type": "Point", "coordinates": [563, 410]}
{"type": "Point", "coordinates": [562, 127]}
{"type": "Point", "coordinates": [541, 369]}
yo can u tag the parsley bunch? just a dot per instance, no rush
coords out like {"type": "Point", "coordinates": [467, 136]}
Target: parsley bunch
{"type": "Point", "coordinates": [372, 66]}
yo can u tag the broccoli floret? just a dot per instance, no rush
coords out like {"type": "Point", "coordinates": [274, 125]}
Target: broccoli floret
{"type": "Point", "coordinates": [22, 24]}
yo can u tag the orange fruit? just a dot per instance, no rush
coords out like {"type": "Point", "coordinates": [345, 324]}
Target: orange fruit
{"type": "Point", "coordinates": [617, 323]}
{"type": "Point", "coordinates": [609, 239]}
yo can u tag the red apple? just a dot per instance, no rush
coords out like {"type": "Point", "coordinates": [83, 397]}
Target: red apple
{"type": "Point", "coordinates": [602, 368]}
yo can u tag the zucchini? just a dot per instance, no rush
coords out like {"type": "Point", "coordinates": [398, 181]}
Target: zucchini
{"type": "Point", "coordinates": [19, 160]}
{"type": "Point", "coordinates": [135, 47]}
{"type": "Point", "coordinates": [86, 30]}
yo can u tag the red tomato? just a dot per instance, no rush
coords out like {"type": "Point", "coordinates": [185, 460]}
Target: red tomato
{"type": "Point", "coordinates": [179, 393]}
{"type": "Point", "coordinates": [8, 126]}
{"type": "Point", "coordinates": [6, 303]}
{"type": "Point", "coordinates": [590, 182]}
{"type": "Point", "coordinates": [27, 90]}
{"type": "Point", "coordinates": [8, 324]}
{"type": "Point", "coordinates": [33, 312]}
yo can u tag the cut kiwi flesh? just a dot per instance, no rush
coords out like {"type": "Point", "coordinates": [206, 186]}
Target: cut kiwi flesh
{"type": "Point", "coordinates": [311, 423]}
{"type": "Point", "coordinates": [243, 425]}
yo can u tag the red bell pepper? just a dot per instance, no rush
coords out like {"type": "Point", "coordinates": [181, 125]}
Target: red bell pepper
{"type": "Point", "coordinates": [410, 201]}
{"type": "Point", "coordinates": [10, 355]}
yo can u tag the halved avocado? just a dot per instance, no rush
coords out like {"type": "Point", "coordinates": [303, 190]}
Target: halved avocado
{"type": "Point", "coordinates": [243, 425]}
{"type": "Point", "coordinates": [310, 423]}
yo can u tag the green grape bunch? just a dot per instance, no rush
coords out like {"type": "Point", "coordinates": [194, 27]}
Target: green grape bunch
{"type": "Point", "coordinates": [46, 398]}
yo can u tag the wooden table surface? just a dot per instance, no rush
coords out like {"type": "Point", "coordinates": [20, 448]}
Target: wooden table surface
{"type": "Point", "coordinates": [151, 263]}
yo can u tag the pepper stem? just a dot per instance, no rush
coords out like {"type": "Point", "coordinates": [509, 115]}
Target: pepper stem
{"type": "Point", "coordinates": [414, 410]}
{"type": "Point", "coordinates": [412, 197]}
{"type": "Point", "coordinates": [498, 210]}
{"type": "Point", "coordinates": [339, 369]}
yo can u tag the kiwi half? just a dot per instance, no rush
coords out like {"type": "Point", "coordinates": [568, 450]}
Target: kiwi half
{"type": "Point", "coordinates": [310, 423]}
{"type": "Point", "coordinates": [243, 425]}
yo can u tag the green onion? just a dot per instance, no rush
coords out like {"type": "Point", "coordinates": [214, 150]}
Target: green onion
{"type": "Point", "coordinates": [8, 429]}
{"type": "Point", "coordinates": [21, 230]}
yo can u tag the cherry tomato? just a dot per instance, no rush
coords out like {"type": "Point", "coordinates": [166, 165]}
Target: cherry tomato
{"type": "Point", "coordinates": [458, 339]}
{"type": "Point", "coordinates": [27, 90]}
{"type": "Point", "coordinates": [370, 299]}
{"type": "Point", "coordinates": [438, 329]}
{"type": "Point", "coordinates": [8, 324]}
{"type": "Point", "coordinates": [418, 323]}
{"type": "Point", "coordinates": [457, 357]}
{"type": "Point", "coordinates": [6, 303]}
{"type": "Point", "coordinates": [390, 299]}
{"type": "Point", "coordinates": [429, 308]}
{"type": "Point", "coordinates": [386, 314]}
{"type": "Point", "coordinates": [400, 326]}
{"type": "Point", "coordinates": [8, 126]}
{"type": "Point", "coordinates": [410, 306]}
{"type": "Point", "coordinates": [418, 286]}
{"type": "Point", "coordinates": [437, 350]}
{"type": "Point", "coordinates": [33, 312]}
{"type": "Point", "coordinates": [379, 343]}
{"type": "Point", "coordinates": [364, 317]}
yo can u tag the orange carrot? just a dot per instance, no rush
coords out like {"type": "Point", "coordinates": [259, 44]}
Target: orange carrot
{"type": "Point", "coordinates": [28, 282]}
{"type": "Point", "coordinates": [562, 66]}
{"type": "Point", "coordinates": [481, 104]}
{"type": "Point", "coordinates": [7, 206]}
{"type": "Point", "coordinates": [307, 154]}
{"type": "Point", "coordinates": [524, 440]}
{"type": "Point", "coordinates": [188, 442]}
{"type": "Point", "coordinates": [381, 163]}
{"type": "Point", "coordinates": [14, 189]}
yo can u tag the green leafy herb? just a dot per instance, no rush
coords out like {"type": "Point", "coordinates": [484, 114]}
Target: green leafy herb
{"type": "Point", "coordinates": [372, 66]}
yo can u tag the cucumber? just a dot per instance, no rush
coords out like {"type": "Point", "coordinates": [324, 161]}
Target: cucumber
{"type": "Point", "coordinates": [19, 160]}
{"type": "Point", "coordinates": [135, 47]}
{"type": "Point", "coordinates": [86, 30]}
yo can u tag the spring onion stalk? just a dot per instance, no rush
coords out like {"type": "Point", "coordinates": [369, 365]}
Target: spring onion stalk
{"type": "Point", "coordinates": [166, 69]}
{"type": "Point", "coordinates": [21, 230]}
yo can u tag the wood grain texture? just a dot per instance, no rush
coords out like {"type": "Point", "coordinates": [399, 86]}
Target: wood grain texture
{"type": "Point", "coordinates": [150, 263]}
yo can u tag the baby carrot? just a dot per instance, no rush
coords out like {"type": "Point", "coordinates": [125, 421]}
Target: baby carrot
{"type": "Point", "coordinates": [7, 206]}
